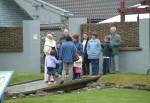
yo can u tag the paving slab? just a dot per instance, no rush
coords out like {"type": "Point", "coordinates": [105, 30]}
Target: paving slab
{"type": "Point", "coordinates": [41, 85]}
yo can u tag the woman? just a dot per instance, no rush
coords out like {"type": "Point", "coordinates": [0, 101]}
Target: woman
{"type": "Point", "coordinates": [78, 44]}
{"type": "Point", "coordinates": [67, 54]}
{"type": "Point", "coordinates": [85, 64]}
{"type": "Point", "coordinates": [50, 44]}
{"type": "Point", "coordinates": [93, 51]}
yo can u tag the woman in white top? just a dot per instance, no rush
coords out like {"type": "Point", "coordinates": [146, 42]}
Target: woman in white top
{"type": "Point", "coordinates": [85, 64]}
{"type": "Point", "coordinates": [49, 44]}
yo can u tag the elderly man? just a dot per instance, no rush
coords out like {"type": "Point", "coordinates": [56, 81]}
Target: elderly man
{"type": "Point", "coordinates": [62, 39]}
{"type": "Point", "coordinates": [50, 44]}
{"type": "Point", "coordinates": [64, 35]}
{"type": "Point", "coordinates": [115, 42]}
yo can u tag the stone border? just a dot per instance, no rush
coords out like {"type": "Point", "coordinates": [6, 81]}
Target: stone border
{"type": "Point", "coordinates": [113, 85]}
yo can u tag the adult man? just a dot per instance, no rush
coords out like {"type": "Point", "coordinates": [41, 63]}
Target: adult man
{"type": "Point", "coordinates": [65, 34]}
{"type": "Point", "coordinates": [115, 42]}
{"type": "Point", "coordinates": [62, 40]}
{"type": "Point", "coordinates": [67, 54]}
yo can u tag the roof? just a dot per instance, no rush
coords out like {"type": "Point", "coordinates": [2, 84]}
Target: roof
{"type": "Point", "coordinates": [65, 12]}
{"type": "Point", "coordinates": [11, 14]}
{"type": "Point", "coordinates": [128, 18]}
{"type": "Point", "coordinates": [92, 9]}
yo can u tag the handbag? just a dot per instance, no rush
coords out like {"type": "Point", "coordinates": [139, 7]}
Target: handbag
{"type": "Point", "coordinates": [76, 57]}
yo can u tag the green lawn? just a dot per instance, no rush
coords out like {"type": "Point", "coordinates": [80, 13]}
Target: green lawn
{"type": "Point", "coordinates": [25, 77]}
{"type": "Point", "coordinates": [128, 78]}
{"type": "Point", "coordinates": [93, 96]}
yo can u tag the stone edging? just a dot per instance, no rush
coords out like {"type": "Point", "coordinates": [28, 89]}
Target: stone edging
{"type": "Point", "coordinates": [113, 85]}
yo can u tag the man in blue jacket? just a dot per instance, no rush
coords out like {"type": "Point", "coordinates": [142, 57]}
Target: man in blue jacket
{"type": "Point", "coordinates": [67, 55]}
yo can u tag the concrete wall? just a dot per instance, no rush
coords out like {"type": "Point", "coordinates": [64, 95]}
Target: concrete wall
{"type": "Point", "coordinates": [29, 59]}
{"type": "Point", "coordinates": [130, 61]}
{"type": "Point", "coordinates": [138, 61]}
{"type": "Point", "coordinates": [74, 25]}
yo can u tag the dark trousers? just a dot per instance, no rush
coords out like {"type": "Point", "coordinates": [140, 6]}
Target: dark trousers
{"type": "Point", "coordinates": [85, 66]}
{"type": "Point", "coordinates": [74, 74]}
{"type": "Point", "coordinates": [95, 66]}
{"type": "Point", "coordinates": [106, 65]}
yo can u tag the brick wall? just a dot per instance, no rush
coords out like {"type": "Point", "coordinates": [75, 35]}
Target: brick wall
{"type": "Point", "coordinates": [128, 31]}
{"type": "Point", "coordinates": [11, 39]}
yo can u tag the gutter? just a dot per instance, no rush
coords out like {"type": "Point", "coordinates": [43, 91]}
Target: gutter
{"type": "Point", "coordinates": [66, 13]}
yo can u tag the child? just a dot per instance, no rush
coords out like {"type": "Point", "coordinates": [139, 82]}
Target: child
{"type": "Point", "coordinates": [50, 62]}
{"type": "Point", "coordinates": [107, 54]}
{"type": "Point", "coordinates": [77, 68]}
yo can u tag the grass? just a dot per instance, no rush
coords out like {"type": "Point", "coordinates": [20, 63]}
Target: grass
{"type": "Point", "coordinates": [25, 77]}
{"type": "Point", "coordinates": [110, 95]}
{"type": "Point", "coordinates": [126, 79]}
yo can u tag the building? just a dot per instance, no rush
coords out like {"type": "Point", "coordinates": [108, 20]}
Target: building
{"type": "Point", "coordinates": [93, 10]}
{"type": "Point", "coordinates": [89, 11]}
{"type": "Point", "coordinates": [20, 25]}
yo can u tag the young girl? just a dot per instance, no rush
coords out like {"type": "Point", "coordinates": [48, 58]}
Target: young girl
{"type": "Point", "coordinates": [77, 68]}
{"type": "Point", "coordinates": [50, 62]}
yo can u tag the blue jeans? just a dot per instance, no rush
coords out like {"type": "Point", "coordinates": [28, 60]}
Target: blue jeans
{"type": "Point", "coordinates": [95, 66]}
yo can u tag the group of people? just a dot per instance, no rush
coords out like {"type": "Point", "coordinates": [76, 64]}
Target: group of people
{"type": "Point", "coordinates": [72, 55]}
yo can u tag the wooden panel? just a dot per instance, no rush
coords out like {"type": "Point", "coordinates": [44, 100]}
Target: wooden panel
{"type": "Point", "coordinates": [11, 39]}
{"type": "Point", "coordinates": [128, 31]}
